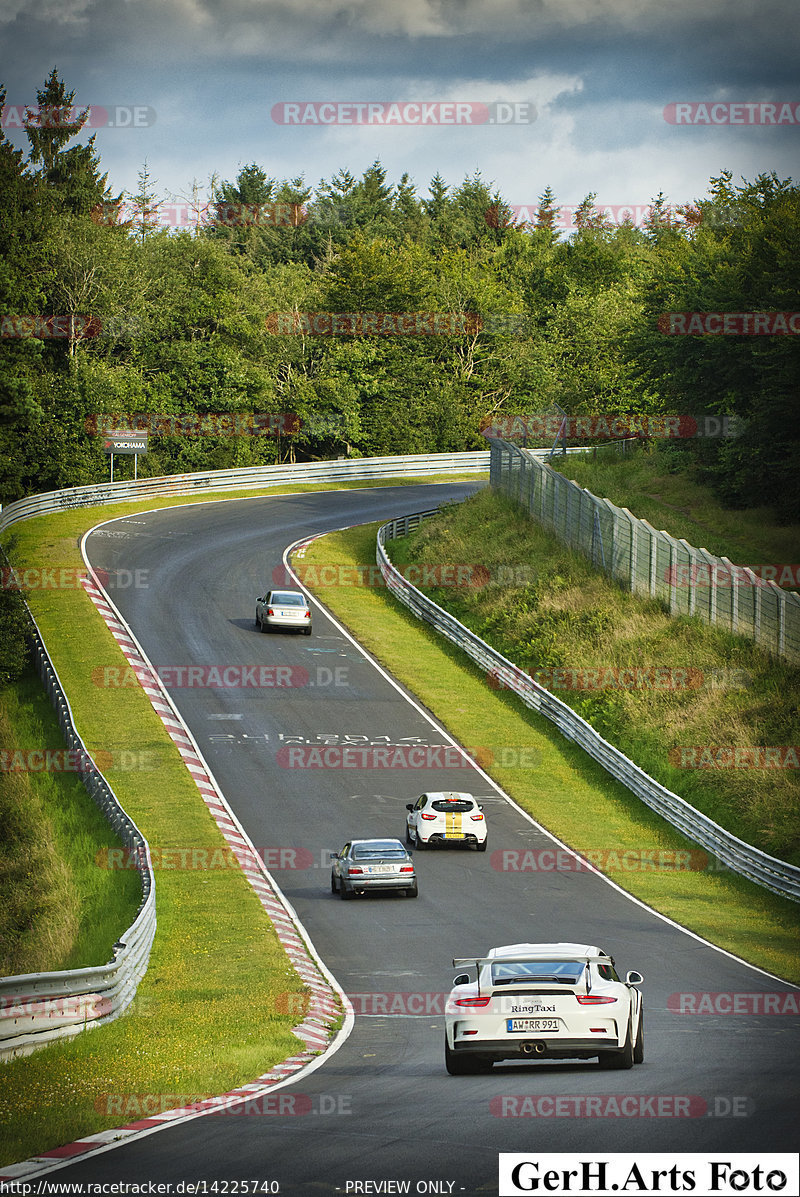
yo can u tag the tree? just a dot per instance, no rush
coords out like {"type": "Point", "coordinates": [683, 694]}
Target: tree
{"type": "Point", "coordinates": [747, 263]}
{"type": "Point", "coordinates": [547, 210]}
{"type": "Point", "coordinates": [145, 205]}
{"type": "Point", "coordinates": [73, 173]}
{"type": "Point", "coordinates": [26, 227]}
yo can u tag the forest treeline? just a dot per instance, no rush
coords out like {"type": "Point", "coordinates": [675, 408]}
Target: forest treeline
{"type": "Point", "coordinates": [106, 313]}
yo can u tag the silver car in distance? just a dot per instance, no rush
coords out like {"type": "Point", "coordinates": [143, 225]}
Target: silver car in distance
{"type": "Point", "coordinates": [283, 609]}
{"type": "Point", "coordinates": [365, 866]}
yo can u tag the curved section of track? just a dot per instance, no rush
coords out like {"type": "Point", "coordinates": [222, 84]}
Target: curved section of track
{"type": "Point", "coordinates": [384, 1107]}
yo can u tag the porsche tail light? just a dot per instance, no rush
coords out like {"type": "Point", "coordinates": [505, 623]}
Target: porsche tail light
{"type": "Point", "coordinates": [472, 1001]}
{"type": "Point", "coordinates": [592, 1000]}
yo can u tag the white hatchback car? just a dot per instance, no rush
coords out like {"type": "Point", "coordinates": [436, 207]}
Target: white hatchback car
{"type": "Point", "coordinates": [444, 817]}
{"type": "Point", "coordinates": [552, 1001]}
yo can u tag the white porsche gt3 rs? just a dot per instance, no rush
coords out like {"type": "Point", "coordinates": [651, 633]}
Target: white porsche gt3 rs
{"type": "Point", "coordinates": [553, 1001]}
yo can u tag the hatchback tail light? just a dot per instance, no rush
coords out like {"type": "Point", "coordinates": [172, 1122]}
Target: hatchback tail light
{"type": "Point", "coordinates": [591, 1000]}
{"type": "Point", "coordinates": [425, 815]}
{"type": "Point", "coordinates": [477, 818]}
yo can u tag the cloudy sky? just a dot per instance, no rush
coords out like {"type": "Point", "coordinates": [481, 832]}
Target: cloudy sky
{"type": "Point", "coordinates": [590, 80]}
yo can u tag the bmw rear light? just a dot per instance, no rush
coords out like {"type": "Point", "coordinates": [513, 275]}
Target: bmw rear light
{"type": "Point", "coordinates": [406, 868]}
{"type": "Point", "coordinates": [425, 815]}
{"type": "Point", "coordinates": [591, 1000]}
{"type": "Point", "coordinates": [472, 1001]}
{"type": "Point", "coordinates": [354, 869]}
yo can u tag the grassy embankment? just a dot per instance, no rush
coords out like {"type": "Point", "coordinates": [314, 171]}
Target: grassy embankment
{"type": "Point", "coordinates": [570, 612]}
{"type": "Point", "coordinates": [211, 1012]}
{"type": "Point", "coordinates": [658, 487]}
{"type": "Point", "coordinates": [52, 832]}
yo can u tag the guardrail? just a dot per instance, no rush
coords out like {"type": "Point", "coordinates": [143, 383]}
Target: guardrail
{"type": "Point", "coordinates": [36, 1008]}
{"type": "Point", "coordinates": [750, 862]}
{"type": "Point", "coordinates": [252, 478]}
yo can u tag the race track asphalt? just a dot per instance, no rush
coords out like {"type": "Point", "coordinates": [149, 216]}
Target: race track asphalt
{"type": "Point", "coordinates": [383, 1107]}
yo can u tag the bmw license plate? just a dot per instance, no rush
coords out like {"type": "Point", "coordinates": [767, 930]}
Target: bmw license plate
{"type": "Point", "coordinates": [380, 869]}
{"type": "Point", "coordinates": [524, 1025]}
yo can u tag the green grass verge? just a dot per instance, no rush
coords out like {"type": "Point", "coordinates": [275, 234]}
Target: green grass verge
{"type": "Point", "coordinates": [211, 1011]}
{"type": "Point", "coordinates": [566, 791]}
{"type": "Point", "coordinates": [59, 911]}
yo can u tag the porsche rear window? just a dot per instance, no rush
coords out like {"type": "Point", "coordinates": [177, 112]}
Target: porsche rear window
{"type": "Point", "coordinates": [449, 807]}
{"type": "Point", "coordinates": [560, 971]}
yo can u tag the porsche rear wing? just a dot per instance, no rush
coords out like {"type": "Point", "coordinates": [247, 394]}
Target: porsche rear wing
{"type": "Point", "coordinates": [546, 958]}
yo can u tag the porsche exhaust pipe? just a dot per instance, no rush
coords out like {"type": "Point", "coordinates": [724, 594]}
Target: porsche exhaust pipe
{"type": "Point", "coordinates": [533, 1049]}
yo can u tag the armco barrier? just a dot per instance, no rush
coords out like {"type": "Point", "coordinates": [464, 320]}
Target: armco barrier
{"type": "Point", "coordinates": [253, 478]}
{"type": "Point", "coordinates": [36, 1008]}
{"type": "Point", "coordinates": [757, 866]}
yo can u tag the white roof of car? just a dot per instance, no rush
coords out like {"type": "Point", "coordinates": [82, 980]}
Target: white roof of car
{"type": "Point", "coordinates": [449, 795]}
